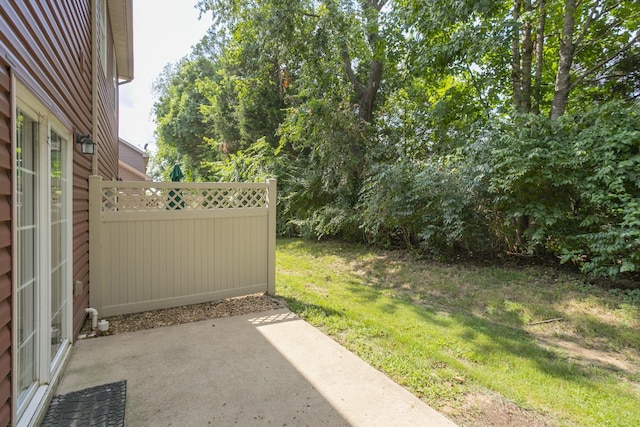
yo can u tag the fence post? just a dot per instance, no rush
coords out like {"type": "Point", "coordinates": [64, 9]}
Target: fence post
{"type": "Point", "coordinates": [95, 242]}
{"type": "Point", "coordinates": [271, 238]}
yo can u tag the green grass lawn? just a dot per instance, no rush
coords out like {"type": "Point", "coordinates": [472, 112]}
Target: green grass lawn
{"type": "Point", "coordinates": [456, 335]}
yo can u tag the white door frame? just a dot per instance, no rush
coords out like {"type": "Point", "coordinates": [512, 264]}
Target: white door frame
{"type": "Point", "coordinates": [48, 369]}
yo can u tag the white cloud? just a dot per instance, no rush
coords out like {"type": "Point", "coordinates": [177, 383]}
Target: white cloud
{"type": "Point", "coordinates": [163, 32]}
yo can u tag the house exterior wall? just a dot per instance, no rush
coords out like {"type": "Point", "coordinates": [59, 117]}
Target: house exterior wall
{"type": "Point", "coordinates": [5, 243]}
{"type": "Point", "coordinates": [132, 163]}
{"type": "Point", "coordinates": [127, 173]}
{"type": "Point", "coordinates": [133, 156]}
{"type": "Point", "coordinates": [107, 111]}
{"type": "Point", "coordinates": [48, 47]}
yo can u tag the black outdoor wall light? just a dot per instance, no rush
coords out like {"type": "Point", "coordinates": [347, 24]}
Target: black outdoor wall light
{"type": "Point", "coordinates": [87, 146]}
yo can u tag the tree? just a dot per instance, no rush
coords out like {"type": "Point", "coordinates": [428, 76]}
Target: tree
{"type": "Point", "coordinates": [450, 123]}
{"type": "Point", "coordinates": [574, 42]}
{"type": "Point", "coordinates": [180, 122]}
{"type": "Point", "coordinates": [595, 36]}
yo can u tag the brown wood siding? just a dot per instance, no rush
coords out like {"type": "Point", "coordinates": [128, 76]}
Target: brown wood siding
{"type": "Point", "coordinates": [5, 244]}
{"type": "Point", "coordinates": [107, 116]}
{"type": "Point", "coordinates": [49, 47]}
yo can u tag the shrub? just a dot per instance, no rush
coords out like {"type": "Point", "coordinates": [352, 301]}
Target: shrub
{"type": "Point", "coordinates": [576, 182]}
{"type": "Point", "coordinates": [428, 205]}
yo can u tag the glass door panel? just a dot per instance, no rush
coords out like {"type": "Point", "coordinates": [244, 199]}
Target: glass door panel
{"type": "Point", "coordinates": [27, 244]}
{"type": "Point", "coordinates": [59, 224]}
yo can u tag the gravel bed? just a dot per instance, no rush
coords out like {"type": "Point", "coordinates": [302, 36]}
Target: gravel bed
{"type": "Point", "coordinates": [255, 303]}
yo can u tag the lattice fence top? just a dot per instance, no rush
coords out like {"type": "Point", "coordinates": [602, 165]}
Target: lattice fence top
{"type": "Point", "coordinates": [140, 199]}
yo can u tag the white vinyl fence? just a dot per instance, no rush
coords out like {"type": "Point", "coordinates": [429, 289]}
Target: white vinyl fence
{"type": "Point", "coordinates": [160, 245]}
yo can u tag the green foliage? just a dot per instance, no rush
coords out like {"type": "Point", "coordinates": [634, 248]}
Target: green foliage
{"type": "Point", "coordinates": [181, 127]}
{"type": "Point", "coordinates": [259, 162]}
{"type": "Point", "coordinates": [628, 296]}
{"type": "Point", "coordinates": [577, 182]}
{"type": "Point", "coordinates": [325, 178]}
{"type": "Point", "coordinates": [390, 123]}
{"type": "Point", "coordinates": [430, 204]}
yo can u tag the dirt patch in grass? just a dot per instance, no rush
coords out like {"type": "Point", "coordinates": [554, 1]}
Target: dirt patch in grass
{"type": "Point", "coordinates": [588, 356]}
{"type": "Point", "coordinates": [489, 409]}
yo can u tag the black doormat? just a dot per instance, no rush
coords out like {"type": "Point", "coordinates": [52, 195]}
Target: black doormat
{"type": "Point", "coordinates": [100, 406]}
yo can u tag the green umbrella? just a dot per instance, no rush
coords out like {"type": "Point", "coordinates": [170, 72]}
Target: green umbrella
{"type": "Point", "coordinates": [175, 201]}
{"type": "Point", "coordinates": [176, 174]}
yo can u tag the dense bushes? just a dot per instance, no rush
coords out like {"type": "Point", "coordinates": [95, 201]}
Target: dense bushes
{"type": "Point", "coordinates": [430, 205]}
{"type": "Point", "coordinates": [570, 188]}
{"type": "Point", "coordinates": [573, 183]}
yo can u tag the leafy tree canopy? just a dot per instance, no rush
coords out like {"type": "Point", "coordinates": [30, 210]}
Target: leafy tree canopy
{"type": "Point", "coordinates": [448, 126]}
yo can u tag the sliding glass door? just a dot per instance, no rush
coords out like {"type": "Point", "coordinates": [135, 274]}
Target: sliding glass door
{"type": "Point", "coordinates": [43, 256]}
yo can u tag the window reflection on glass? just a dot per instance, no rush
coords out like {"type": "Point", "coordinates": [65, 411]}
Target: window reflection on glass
{"type": "Point", "coordinates": [27, 278]}
{"type": "Point", "coordinates": [59, 222]}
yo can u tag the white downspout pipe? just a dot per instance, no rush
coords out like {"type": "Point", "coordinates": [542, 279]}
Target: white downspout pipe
{"type": "Point", "coordinates": [94, 317]}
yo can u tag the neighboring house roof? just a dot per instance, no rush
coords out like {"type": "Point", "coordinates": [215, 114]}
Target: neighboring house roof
{"type": "Point", "coordinates": [121, 14]}
{"type": "Point", "coordinates": [132, 162]}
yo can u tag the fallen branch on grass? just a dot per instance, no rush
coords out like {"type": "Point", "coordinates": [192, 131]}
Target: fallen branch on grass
{"type": "Point", "coordinates": [557, 319]}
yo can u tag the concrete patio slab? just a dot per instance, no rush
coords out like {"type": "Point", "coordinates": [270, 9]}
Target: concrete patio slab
{"type": "Point", "coordinates": [262, 369]}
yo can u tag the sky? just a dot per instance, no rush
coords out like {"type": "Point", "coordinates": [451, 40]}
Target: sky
{"type": "Point", "coordinates": [163, 32]}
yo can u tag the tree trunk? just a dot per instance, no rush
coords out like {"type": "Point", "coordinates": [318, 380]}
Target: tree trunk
{"type": "Point", "coordinates": [367, 93]}
{"type": "Point", "coordinates": [567, 51]}
{"type": "Point", "coordinates": [370, 91]}
{"type": "Point", "coordinates": [516, 71]}
{"type": "Point", "coordinates": [527, 60]}
{"type": "Point", "coordinates": [537, 90]}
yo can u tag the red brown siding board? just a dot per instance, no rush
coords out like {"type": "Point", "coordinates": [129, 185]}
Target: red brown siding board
{"type": "Point", "coordinates": [80, 245]}
{"type": "Point", "coordinates": [5, 338]}
{"type": "Point", "coordinates": [5, 410]}
{"type": "Point", "coordinates": [5, 132]}
{"type": "Point", "coordinates": [78, 193]}
{"type": "Point", "coordinates": [80, 227]}
{"type": "Point", "coordinates": [5, 180]}
{"type": "Point", "coordinates": [42, 54]}
{"type": "Point", "coordinates": [64, 46]}
{"type": "Point", "coordinates": [81, 272]}
{"type": "Point", "coordinates": [81, 253]}
{"type": "Point", "coordinates": [81, 237]}
{"type": "Point", "coordinates": [5, 365]}
{"type": "Point", "coordinates": [5, 234]}
{"type": "Point", "coordinates": [81, 211]}
{"type": "Point", "coordinates": [5, 149]}
{"type": "Point", "coordinates": [50, 69]}
{"type": "Point", "coordinates": [5, 105]}
{"type": "Point", "coordinates": [5, 80]}
{"type": "Point", "coordinates": [5, 312]}
{"type": "Point", "coordinates": [80, 224]}
{"type": "Point", "coordinates": [79, 315]}
{"type": "Point", "coordinates": [5, 260]}
{"type": "Point", "coordinates": [5, 215]}
{"type": "Point", "coordinates": [57, 47]}
{"type": "Point", "coordinates": [80, 181]}
{"type": "Point", "coordinates": [76, 19]}
{"type": "Point", "coordinates": [107, 121]}
{"type": "Point", "coordinates": [6, 285]}
{"type": "Point", "coordinates": [5, 413]}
